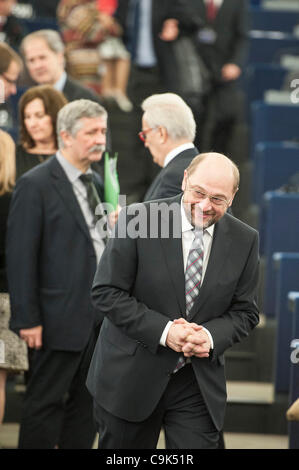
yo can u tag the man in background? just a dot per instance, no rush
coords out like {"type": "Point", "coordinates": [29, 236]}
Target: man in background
{"type": "Point", "coordinates": [168, 132]}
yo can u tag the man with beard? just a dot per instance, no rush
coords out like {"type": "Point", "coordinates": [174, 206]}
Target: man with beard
{"type": "Point", "coordinates": [53, 249]}
{"type": "Point", "coordinates": [175, 296]}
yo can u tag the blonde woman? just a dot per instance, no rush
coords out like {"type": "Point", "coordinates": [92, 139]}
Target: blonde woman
{"type": "Point", "coordinates": [13, 351]}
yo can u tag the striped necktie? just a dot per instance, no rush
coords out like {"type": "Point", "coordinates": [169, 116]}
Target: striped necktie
{"type": "Point", "coordinates": [193, 276]}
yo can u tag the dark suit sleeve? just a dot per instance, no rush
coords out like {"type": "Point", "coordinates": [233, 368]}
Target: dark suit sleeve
{"type": "Point", "coordinates": [113, 290]}
{"type": "Point", "coordinates": [24, 232]}
{"type": "Point", "coordinates": [168, 187]}
{"type": "Point", "coordinates": [242, 316]}
{"type": "Point", "coordinates": [241, 34]}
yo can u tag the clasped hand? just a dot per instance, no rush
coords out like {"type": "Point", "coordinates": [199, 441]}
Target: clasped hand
{"type": "Point", "coordinates": [188, 338]}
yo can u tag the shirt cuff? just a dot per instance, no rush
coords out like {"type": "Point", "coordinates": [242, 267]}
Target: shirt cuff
{"type": "Point", "coordinates": [167, 327]}
{"type": "Point", "coordinates": [210, 337]}
{"type": "Point", "coordinates": [165, 333]}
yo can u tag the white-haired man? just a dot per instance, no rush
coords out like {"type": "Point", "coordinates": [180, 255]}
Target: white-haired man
{"type": "Point", "coordinates": [168, 131]}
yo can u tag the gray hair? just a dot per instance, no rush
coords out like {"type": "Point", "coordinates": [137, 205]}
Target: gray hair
{"type": "Point", "coordinates": [51, 37]}
{"type": "Point", "coordinates": [69, 117]}
{"type": "Point", "coordinates": [170, 111]}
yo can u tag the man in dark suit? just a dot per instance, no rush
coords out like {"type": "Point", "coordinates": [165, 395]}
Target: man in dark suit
{"type": "Point", "coordinates": [53, 249]}
{"type": "Point", "coordinates": [153, 70]}
{"type": "Point", "coordinates": [168, 131]}
{"type": "Point", "coordinates": [159, 356]}
{"type": "Point", "coordinates": [220, 31]}
{"type": "Point", "coordinates": [43, 52]}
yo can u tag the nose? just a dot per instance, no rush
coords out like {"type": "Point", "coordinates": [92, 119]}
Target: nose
{"type": "Point", "coordinates": [100, 138]}
{"type": "Point", "coordinates": [205, 204]}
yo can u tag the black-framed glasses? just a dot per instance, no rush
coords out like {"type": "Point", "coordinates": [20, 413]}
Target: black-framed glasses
{"type": "Point", "coordinates": [142, 134]}
{"type": "Point", "coordinates": [199, 196]}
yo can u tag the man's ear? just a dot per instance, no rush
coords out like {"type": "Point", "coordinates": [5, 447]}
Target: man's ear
{"type": "Point", "coordinates": [233, 197]}
{"type": "Point", "coordinates": [184, 182]}
{"type": "Point", "coordinates": [163, 134]}
{"type": "Point", "coordinates": [66, 138]}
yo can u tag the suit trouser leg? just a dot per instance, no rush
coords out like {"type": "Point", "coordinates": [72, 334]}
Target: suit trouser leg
{"type": "Point", "coordinates": [181, 411]}
{"type": "Point", "coordinates": [57, 377]}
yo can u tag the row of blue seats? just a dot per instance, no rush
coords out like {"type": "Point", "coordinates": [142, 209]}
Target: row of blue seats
{"type": "Point", "coordinates": [286, 359]}
{"type": "Point", "coordinates": [273, 20]}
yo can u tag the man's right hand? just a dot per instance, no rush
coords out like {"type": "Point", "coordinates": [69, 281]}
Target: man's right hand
{"type": "Point", "coordinates": [32, 336]}
{"type": "Point", "coordinates": [178, 334]}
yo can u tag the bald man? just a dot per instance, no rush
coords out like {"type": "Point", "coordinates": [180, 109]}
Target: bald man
{"type": "Point", "coordinates": [175, 296]}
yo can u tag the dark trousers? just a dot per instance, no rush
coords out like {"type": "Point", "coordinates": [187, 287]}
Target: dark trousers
{"type": "Point", "coordinates": [57, 408]}
{"type": "Point", "coordinates": [181, 412]}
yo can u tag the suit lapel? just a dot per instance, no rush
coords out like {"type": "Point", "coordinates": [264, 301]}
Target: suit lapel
{"type": "Point", "coordinates": [64, 188]}
{"type": "Point", "coordinates": [173, 253]}
{"type": "Point", "coordinates": [218, 255]}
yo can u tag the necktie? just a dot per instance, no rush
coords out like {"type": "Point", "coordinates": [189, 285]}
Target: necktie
{"type": "Point", "coordinates": [193, 271]}
{"type": "Point", "coordinates": [193, 275]}
{"type": "Point", "coordinates": [92, 194]}
{"type": "Point", "coordinates": [211, 10]}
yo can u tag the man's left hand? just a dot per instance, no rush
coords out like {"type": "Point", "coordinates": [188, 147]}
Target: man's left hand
{"type": "Point", "coordinates": [230, 72]}
{"type": "Point", "coordinates": [198, 343]}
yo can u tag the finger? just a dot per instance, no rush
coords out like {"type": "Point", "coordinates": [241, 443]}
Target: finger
{"type": "Point", "coordinates": [30, 342]}
{"type": "Point", "coordinates": [179, 321]}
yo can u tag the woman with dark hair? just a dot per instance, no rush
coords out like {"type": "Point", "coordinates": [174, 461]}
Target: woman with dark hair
{"type": "Point", "coordinates": [38, 109]}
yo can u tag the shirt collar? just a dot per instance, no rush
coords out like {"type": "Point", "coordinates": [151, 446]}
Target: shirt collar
{"type": "Point", "coordinates": [71, 171]}
{"type": "Point", "coordinates": [59, 85]}
{"type": "Point", "coordinates": [186, 226]}
{"type": "Point", "coordinates": [173, 153]}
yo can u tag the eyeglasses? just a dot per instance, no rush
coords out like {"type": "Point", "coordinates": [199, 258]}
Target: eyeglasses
{"type": "Point", "coordinates": [142, 134]}
{"type": "Point", "coordinates": [199, 196]}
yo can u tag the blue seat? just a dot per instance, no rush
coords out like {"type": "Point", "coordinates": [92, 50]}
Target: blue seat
{"type": "Point", "coordinates": [273, 20]}
{"type": "Point", "coordinates": [268, 47]}
{"type": "Point", "coordinates": [274, 163]}
{"type": "Point", "coordinates": [293, 430]}
{"type": "Point", "coordinates": [279, 232]}
{"type": "Point", "coordinates": [259, 78]}
{"type": "Point", "coordinates": [273, 123]}
{"type": "Point", "coordinates": [286, 269]}
{"type": "Point", "coordinates": [13, 132]}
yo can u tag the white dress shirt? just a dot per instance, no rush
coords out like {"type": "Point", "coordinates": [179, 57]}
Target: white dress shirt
{"type": "Point", "coordinates": [59, 85]}
{"type": "Point", "coordinates": [173, 153]}
{"type": "Point", "coordinates": [145, 53]}
{"type": "Point", "coordinates": [187, 239]}
{"type": "Point", "coordinates": [80, 191]}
